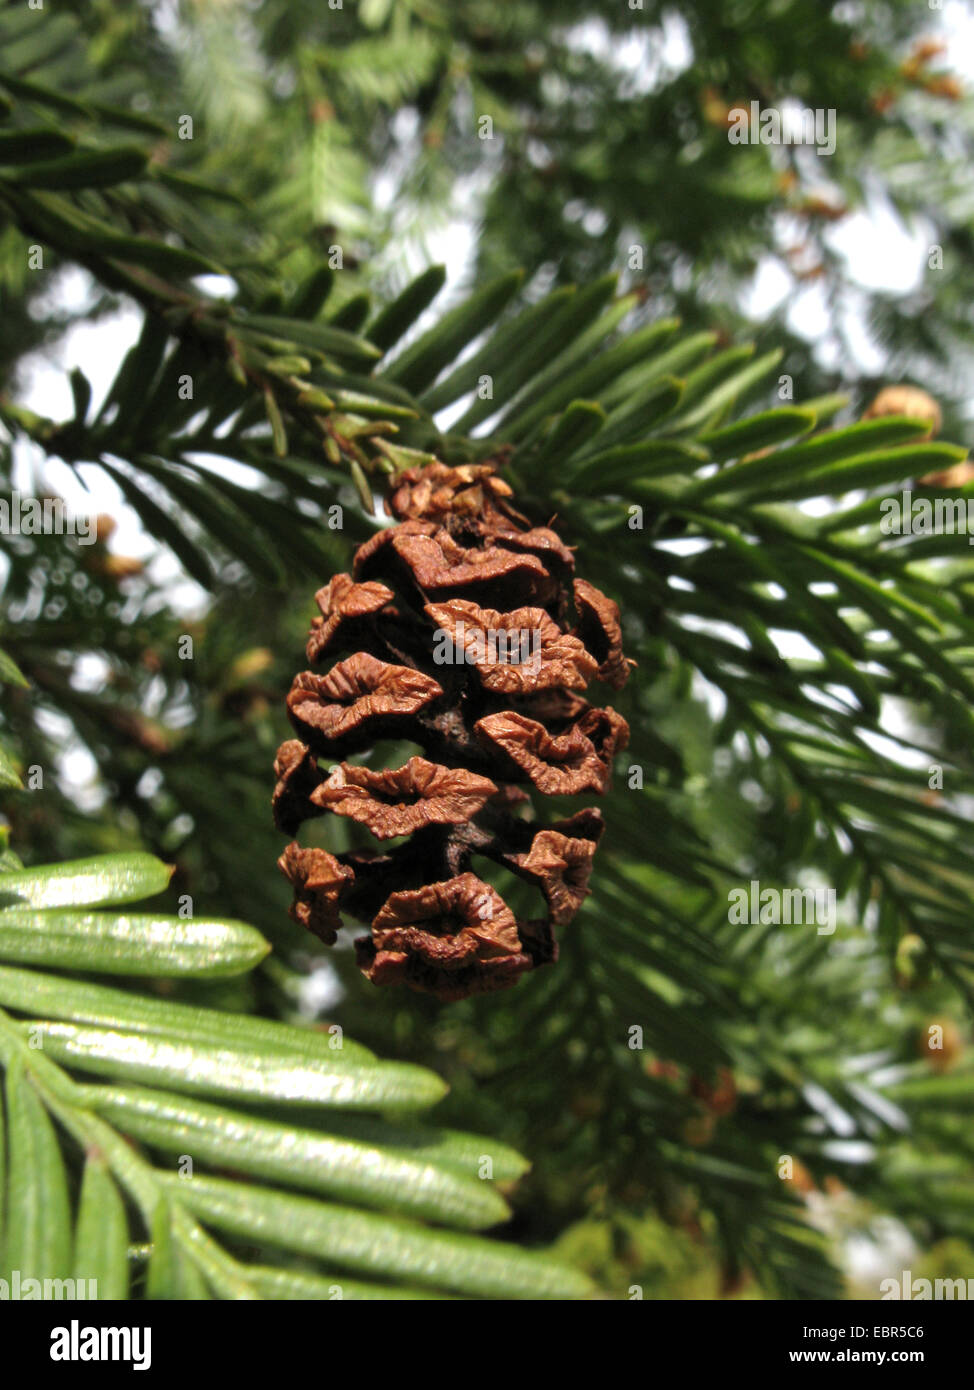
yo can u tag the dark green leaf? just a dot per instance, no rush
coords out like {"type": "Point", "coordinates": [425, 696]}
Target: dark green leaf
{"type": "Point", "coordinates": [101, 1233]}
{"type": "Point", "coordinates": [38, 1241]}
{"type": "Point", "coordinates": [82, 169]}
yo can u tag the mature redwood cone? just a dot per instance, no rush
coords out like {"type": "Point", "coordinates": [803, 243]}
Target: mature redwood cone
{"type": "Point", "coordinates": [462, 630]}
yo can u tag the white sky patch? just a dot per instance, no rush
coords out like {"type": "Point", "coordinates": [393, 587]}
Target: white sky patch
{"type": "Point", "coordinates": [882, 1252]}
{"type": "Point", "coordinates": [89, 673]}
{"type": "Point", "coordinates": [319, 990]}
{"type": "Point", "coordinates": [643, 58]}
{"type": "Point", "coordinates": [793, 646]}
{"type": "Point", "coordinates": [770, 288]}
{"type": "Point", "coordinates": [879, 250]}
{"type": "Point", "coordinates": [895, 719]}
{"type": "Point", "coordinates": [958, 24]}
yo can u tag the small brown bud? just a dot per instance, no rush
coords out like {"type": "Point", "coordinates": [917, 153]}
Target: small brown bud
{"type": "Point", "coordinates": [906, 400]}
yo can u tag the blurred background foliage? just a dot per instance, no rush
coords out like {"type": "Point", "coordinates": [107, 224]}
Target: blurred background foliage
{"type": "Point", "coordinates": [358, 128]}
{"type": "Point", "coordinates": [608, 133]}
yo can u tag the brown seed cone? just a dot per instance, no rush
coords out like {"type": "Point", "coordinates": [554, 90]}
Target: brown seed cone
{"type": "Point", "coordinates": [462, 629]}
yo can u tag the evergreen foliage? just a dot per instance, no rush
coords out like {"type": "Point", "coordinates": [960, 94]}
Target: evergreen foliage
{"type": "Point", "coordinates": [801, 710]}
